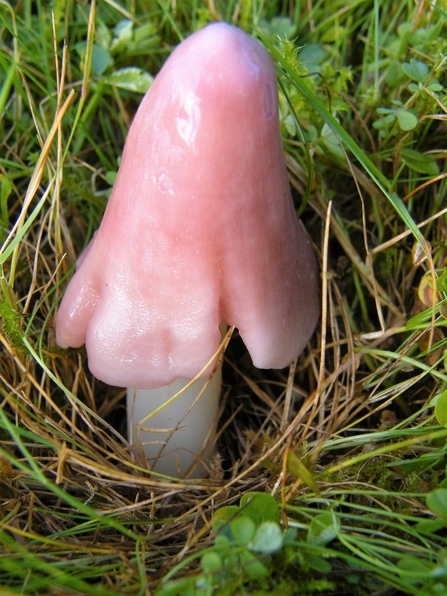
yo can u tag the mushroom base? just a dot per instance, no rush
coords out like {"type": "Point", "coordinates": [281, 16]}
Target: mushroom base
{"type": "Point", "coordinates": [178, 439]}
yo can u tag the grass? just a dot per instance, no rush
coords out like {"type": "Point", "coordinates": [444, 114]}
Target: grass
{"type": "Point", "coordinates": [331, 475]}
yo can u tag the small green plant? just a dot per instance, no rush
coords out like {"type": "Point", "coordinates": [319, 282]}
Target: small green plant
{"type": "Point", "coordinates": [252, 551]}
{"type": "Point", "coordinates": [253, 554]}
{"type": "Point", "coordinates": [125, 41]}
{"type": "Point", "coordinates": [246, 538]}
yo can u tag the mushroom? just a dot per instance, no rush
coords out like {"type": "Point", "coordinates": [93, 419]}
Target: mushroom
{"type": "Point", "coordinates": [200, 228]}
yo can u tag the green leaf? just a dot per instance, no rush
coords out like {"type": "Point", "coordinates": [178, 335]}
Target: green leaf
{"type": "Point", "coordinates": [103, 35]}
{"type": "Point", "coordinates": [312, 134]}
{"type": "Point", "coordinates": [278, 26]}
{"type": "Point", "coordinates": [441, 409]}
{"type": "Point", "coordinates": [437, 502]}
{"type": "Point", "coordinates": [416, 70]}
{"type": "Point", "coordinates": [260, 507]}
{"type": "Point", "coordinates": [111, 177]}
{"type": "Point", "coordinates": [404, 30]}
{"type": "Point", "coordinates": [332, 142]}
{"type": "Point", "coordinates": [101, 59]}
{"type": "Point", "coordinates": [384, 122]}
{"type": "Point", "coordinates": [323, 528]}
{"type": "Point", "coordinates": [290, 124]}
{"type": "Point", "coordinates": [430, 526]}
{"type": "Point", "coordinates": [144, 31]}
{"type": "Point", "coordinates": [394, 75]}
{"type": "Point", "coordinates": [407, 120]}
{"type": "Point", "coordinates": [130, 78]}
{"type": "Point", "coordinates": [222, 543]}
{"type": "Point", "coordinates": [243, 529]}
{"type": "Point", "coordinates": [423, 164]}
{"type": "Point", "coordinates": [435, 86]}
{"type": "Point", "coordinates": [440, 571]}
{"type": "Point", "coordinates": [416, 566]}
{"type": "Point", "coordinates": [179, 587]}
{"type": "Point", "coordinates": [317, 563]}
{"type": "Point", "coordinates": [267, 539]}
{"type": "Point", "coordinates": [311, 56]}
{"type": "Point", "coordinates": [289, 536]}
{"type": "Point", "coordinates": [210, 562]}
{"type": "Point", "coordinates": [123, 30]}
{"type": "Point", "coordinates": [223, 515]}
{"type": "Point", "coordinates": [252, 566]}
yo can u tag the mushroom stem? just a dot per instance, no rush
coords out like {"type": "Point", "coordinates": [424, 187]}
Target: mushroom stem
{"type": "Point", "coordinates": [178, 435]}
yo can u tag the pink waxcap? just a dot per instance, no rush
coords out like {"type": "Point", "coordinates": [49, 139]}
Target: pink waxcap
{"type": "Point", "coordinates": [200, 227]}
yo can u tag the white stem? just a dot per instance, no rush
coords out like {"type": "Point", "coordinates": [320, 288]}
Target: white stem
{"type": "Point", "coordinates": [174, 439]}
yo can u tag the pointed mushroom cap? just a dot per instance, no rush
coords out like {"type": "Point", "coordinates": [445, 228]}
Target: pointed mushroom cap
{"type": "Point", "coordinates": [200, 226]}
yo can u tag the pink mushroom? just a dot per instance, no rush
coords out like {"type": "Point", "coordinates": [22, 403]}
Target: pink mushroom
{"type": "Point", "coordinates": [200, 228]}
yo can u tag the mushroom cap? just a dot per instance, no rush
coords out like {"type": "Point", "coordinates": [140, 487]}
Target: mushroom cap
{"type": "Point", "coordinates": [200, 226]}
